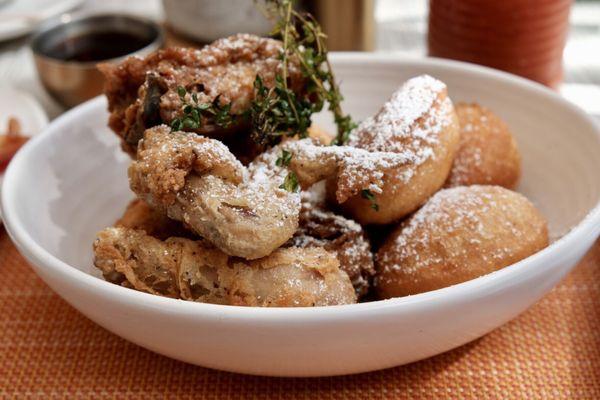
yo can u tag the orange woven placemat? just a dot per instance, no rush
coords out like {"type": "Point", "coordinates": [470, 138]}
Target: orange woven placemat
{"type": "Point", "coordinates": [47, 349]}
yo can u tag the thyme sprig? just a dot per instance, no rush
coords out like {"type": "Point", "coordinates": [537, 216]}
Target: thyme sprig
{"type": "Point", "coordinates": [195, 113]}
{"type": "Point", "coordinates": [290, 183]}
{"type": "Point", "coordinates": [284, 159]}
{"type": "Point", "coordinates": [279, 111]}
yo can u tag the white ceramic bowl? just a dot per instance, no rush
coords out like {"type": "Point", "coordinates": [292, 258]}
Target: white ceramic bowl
{"type": "Point", "coordinates": [70, 182]}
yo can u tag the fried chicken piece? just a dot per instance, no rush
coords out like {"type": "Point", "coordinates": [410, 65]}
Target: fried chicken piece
{"type": "Point", "coordinates": [324, 229]}
{"type": "Point", "coordinates": [197, 180]}
{"type": "Point", "coordinates": [143, 92]}
{"type": "Point", "coordinates": [317, 228]}
{"type": "Point", "coordinates": [195, 270]}
{"type": "Point", "coordinates": [140, 216]}
{"type": "Point", "coordinates": [240, 210]}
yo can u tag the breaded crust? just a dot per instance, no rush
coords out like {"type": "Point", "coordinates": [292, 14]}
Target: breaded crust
{"type": "Point", "coordinates": [197, 271]}
{"type": "Point", "coordinates": [196, 180]}
{"type": "Point", "coordinates": [459, 234]}
{"type": "Point", "coordinates": [140, 216]}
{"type": "Point", "coordinates": [143, 92]}
{"type": "Point", "coordinates": [324, 229]}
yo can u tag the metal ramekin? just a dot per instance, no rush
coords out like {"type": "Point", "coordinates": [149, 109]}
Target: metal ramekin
{"type": "Point", "coordinates": [72, 82]}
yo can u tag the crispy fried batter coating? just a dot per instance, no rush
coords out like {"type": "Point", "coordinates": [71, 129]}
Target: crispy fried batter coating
{"type": "Point", "coordinates": [459, 234]}
{"type": "Point", "coordinates": [195, 270]}
{"type": "Point", "coordinates": [142, 92]}
{"type": "Point", "coordinates": [488, 153]}
{"type": "Point", "coordinates": [317, 228]}
{"type": "Point", "coordinates": [323, 229]}
{"type": "Point", "coordinates": [197, 180]}
{"type": "Point", "coordinates": [140, 216]}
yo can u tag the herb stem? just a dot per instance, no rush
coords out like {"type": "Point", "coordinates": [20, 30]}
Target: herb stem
{"type": "Point", "coordinates": [334, 101]}
{"type": "Point", "coordinates": [284, 60]}
{"type": "Point", "coordinates": [283, 111]}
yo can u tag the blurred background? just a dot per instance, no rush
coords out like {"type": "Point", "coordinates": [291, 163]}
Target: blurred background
{"type": "Point", "coordinates": [526, 37]}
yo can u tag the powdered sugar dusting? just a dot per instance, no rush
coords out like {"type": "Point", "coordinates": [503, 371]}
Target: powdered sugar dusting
{"type": "Point", "coordinates": [399, 138]}
{"type": "Point", "coordinates": [465, 163]}
{"type": "Point", "coordinates": [408, 124]}
{"type": "Point", "coordinates": [454, 226]}
{"type": "Point", "coordinates": [263, 170]}
{"type": "Point", "coordinates": [409, 117]}
{"type": "Point", "coordinates": [356, 168]}
{"type": "Point", "coordinates": [487, 152]}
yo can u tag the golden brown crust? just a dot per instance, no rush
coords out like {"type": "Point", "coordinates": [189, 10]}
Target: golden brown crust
{"type": "Point", "coordinates": [419, 122]}
{"type": "Point", "coordinates": [324, 229]}
{"type": "Point", "coordinates": [194, 270]}
{"type": "Point", "coordinates": [225, 68]}
{"type": "Point", "coordinates": [165, 159]}
{"type": "Point", "coordinates": [488, 153]}
{"type": "Point", "coordinates": [317, 228]}
{"type": "Point", "coordinates": [459, 234]}
{"type": "Point", "coordinates": [140, 216]}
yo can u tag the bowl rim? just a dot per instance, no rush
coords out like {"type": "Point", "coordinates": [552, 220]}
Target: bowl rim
{"type": "Point", "coordinates": [588, 226]}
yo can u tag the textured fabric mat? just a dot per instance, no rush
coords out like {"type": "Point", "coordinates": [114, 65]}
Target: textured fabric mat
{"type": "Point", "coordinates": [47, 349]}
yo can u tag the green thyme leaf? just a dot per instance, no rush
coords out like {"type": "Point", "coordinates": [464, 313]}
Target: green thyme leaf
{"type": "Point", "coordinates": [290, 183]}
{"type": "Point", "coordinates": [194, 113]}
{"type": "Point", "coordinates": [223, 116]}
{"type": "Point", "coordinates": [176, 124]}
{"type": "Point", "coordinates": [278, 111]}
{"type": "Point", "coordinates": [284, 159]}
{"type": "Point", "coordinates": [189, 123]}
